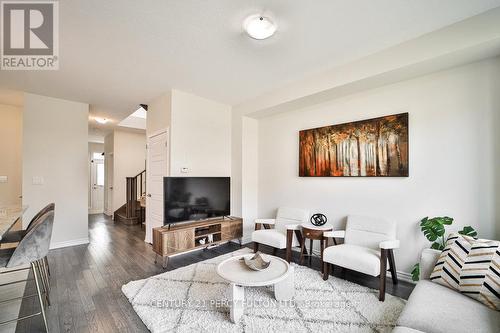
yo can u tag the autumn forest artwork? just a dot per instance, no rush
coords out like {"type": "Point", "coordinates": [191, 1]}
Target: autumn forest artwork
{"type": "Point", "coordinates": [369, 148]}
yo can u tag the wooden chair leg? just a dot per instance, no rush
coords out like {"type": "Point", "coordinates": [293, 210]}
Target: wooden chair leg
{"type": "Point", "coordinates": [255, 247]}
{"type": "Point", "coordinates": [311, 250]}
{"type": "Point", "coordinates": [298, 234]}
{"type": "Point", "coordinates": [392, 267]}
{"type": "Point", "coordinates": [302, 249]}
{"type": "Point", "coordinates": [383, 273]}
{"type": "Point", "coordinates": [326, 270]}
{"type": "Point", "coordinates": [322, 248]}
{"type": "Point", "coordinates": [289, 238]}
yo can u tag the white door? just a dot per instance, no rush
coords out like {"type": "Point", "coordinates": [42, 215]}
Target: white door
{"type": "Point", "coordinates": [109, 161]}
{"type": "Point", "coordinates": [156, 164]}
{"type": "Point", "coordinates": [97, 186]}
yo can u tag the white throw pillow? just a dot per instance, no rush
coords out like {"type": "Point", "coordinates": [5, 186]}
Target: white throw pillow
{"type": "Point", "coordinates": [472, 267]}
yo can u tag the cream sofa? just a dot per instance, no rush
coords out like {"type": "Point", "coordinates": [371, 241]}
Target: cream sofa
{"type": "Point", "coordinates": [433, 308]}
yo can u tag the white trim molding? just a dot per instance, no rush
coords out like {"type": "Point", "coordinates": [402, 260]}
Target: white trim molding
{"type": "Point", "coordinates": [73, 242]}
{"type": "Point", "coordinates": [246, 239]}
{"type": "Point", "coordinates": [158, 132]}
{"type": "Point", "coordinates": [403, 276]}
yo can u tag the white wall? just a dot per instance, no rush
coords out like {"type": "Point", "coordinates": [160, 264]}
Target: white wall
{"type": "Point", "coordinates": [129, 157]}
{"type": "Point", "coordinates": [11, 129]}
{"type": "Point", "coordinates": [55, 134]}
{"type": "Point", "coordinates": [200, 136]}
{"type": "Point", "coordinates": [159, 114]}
{"type": "Point", "coordinates": [236, 162]}
{"type": "Point", "coordinates": [108, 173]}
{"type": "Point", "coordinates": [452, 124]}
{"type": "Point", "coordinates": [249, 174]}
{"type": "Point", "coordinates": [495, 79]}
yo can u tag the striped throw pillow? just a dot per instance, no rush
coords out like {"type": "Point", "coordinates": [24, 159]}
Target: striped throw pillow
{"type": "Point", "coordinates": [472, 267]}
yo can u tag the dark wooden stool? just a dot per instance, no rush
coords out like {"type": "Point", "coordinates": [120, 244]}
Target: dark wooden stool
{"type": "Point", "coordinates": [312, 232]}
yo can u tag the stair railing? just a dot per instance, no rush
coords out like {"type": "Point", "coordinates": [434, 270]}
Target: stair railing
{"type": "Point", "coordinates": [136, 188]}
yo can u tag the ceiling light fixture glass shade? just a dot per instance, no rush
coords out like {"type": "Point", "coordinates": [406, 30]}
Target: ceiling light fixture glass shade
{"type": "Point", "coordinates": [259, 27]}
{"type": "Point", "coordinates": [101, 120]}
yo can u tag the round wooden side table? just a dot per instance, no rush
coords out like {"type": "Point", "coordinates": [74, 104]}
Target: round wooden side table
{"type": "Point", "coordinates": [313, 232]}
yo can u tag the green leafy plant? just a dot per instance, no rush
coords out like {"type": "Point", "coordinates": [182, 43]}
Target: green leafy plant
{"type": "Point", "coordinates": [468, 231]}
{"type": "Point", "coordinates": [415, 273]}
{"type": "Point", "coordinates": [434, 230]}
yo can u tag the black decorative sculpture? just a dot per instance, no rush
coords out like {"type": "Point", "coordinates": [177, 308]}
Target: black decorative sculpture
{"type": "Point", "coordinates": [318, 219]}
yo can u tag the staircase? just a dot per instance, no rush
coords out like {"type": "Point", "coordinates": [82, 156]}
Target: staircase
{"type": "Point", "coordinates": [134, 210]}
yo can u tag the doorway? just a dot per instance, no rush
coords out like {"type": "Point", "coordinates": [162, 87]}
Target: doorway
{"type": "Point", "coordinates": [96, 178]}
{"type": "Point", "coordinates": [157, 168]}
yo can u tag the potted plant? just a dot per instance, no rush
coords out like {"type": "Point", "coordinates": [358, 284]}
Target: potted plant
{"type": "Point", "coordinates": [434, 230]}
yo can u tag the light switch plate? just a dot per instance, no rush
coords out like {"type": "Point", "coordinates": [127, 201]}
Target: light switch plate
{"type": "Point", "coordinates": [38, 180]}
{"type": "Point", "coordinates": [4, 179]}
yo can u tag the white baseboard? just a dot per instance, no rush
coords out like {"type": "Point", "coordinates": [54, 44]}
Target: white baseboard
{"type": "Point", "coordinates": [245, 240]}
{"type": "Point", "coordinates": [73, 242]}
{"type": "Point", "coordinates": [95, 211]}
{"type": "Point", "coordinates": [403, 276]}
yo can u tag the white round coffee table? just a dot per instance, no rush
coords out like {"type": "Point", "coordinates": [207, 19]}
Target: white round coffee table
{"type": "Point", "coordinates": [279, 273]}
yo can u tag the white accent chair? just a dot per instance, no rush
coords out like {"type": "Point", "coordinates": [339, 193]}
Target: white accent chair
{"type": "Point", "coordinates": [368, 245]}
{"type": "Point", "coordinates": [286, 232]}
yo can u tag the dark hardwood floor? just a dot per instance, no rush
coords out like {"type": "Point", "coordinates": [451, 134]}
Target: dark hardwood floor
{"type": "Point", "coordinates": [86, 280]}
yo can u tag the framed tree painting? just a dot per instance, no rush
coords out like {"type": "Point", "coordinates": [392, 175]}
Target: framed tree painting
{"type": "Point", "coordinates": [368, 148]}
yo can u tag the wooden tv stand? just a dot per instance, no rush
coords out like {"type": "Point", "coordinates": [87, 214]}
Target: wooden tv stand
{"type": "Point", "coordinates": [190, 235]}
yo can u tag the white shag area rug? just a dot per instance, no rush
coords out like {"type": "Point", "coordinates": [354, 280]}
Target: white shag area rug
{"type": "Point", "coordinates": [193, 299]}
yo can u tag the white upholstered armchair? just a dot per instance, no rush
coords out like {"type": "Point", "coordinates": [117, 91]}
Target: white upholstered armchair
{"type": "Point", "coordinates": [368, 245]}
{"type": "Point", "coordinates": [283, 232]}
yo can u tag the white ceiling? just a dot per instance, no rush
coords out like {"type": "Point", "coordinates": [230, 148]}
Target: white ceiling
{"type": "Point", "coordinates": [115, 54]}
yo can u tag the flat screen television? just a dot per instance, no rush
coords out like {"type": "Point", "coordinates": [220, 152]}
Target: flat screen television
{"type": "Point", "coordinates": [195, 198]}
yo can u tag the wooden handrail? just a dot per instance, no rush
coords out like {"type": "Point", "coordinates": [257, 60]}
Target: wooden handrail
{"type": "Point", "coordinates": [140, 173]}
{"type": "Point", "coordinates": [134, 184]}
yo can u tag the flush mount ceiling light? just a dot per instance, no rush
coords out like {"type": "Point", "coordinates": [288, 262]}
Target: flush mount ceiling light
{"type": "Point", "coordinates": [259, 27]}
{"type": "Point", "coordinates": [101, 120]}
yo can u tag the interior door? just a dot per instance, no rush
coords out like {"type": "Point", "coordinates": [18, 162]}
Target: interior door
{"type": "Point", "coordinates": [109, 162]}
{"type": "Point", "coordinates": [97, 186]}
{"type": "Point", "coordinates": [157, 168]}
